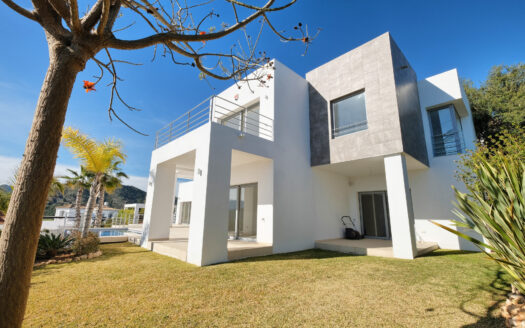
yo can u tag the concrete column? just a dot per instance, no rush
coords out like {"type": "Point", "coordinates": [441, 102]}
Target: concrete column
{"type": "Point", "coordinates": [159, 202]}
{"type": "Point", "coordinates": [400, 207]}
{"type": "Point", "coordinates": [177, 217]}
{"type": "Point", "coordinates": [208, 233]}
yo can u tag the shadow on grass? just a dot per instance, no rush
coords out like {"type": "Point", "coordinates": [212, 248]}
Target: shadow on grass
{"type": "Point", "coordinates": [499, 288]}
{"type": "Point", "coordinates": [445, 252]}
{"type": "Point", "coordinates": [310, 254]}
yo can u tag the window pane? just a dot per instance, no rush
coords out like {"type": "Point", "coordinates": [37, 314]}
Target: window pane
{"type": "Point", "coordinates": [447, 136]}
{"type": "Point", "coordinates": [349, 115]}
{"type": "Point", "coordinates": [185, 212]}
{"type": "Point", "coordinates": [233, 121]}
{"type": "Point", "coordinates": [252, 120]}
{"type": "Point", "coordinates": [367, 211]}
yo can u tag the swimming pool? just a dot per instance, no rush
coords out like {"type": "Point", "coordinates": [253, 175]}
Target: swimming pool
{"type": "Point", "coordinates": [110, 233]}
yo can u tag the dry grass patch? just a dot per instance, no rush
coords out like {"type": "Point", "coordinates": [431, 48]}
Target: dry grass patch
{"type": "Point", "coordinates": [130, 286]}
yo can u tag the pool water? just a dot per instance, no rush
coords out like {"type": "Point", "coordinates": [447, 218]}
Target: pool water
{"type": "Point", "coordinates": [110, 233]}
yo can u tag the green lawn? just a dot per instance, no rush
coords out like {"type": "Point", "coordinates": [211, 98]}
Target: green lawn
{"type": "Point", "coordinates": [132, 287]}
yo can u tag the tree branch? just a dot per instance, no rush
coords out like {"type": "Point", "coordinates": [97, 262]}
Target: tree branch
{"type": "Point", "coordinates": [106, 4]}
{"type": "Point", "coordinates": [75, 21]}
{"type": "Point", "coordinates": [177, 37]}
{"type": "Point", "coordinates": [113, 15]}
{"type": "Point", "coordinates": [62, 9]}
{"type": "Point", "coordinates": [90, 19]}
{"type": "Point", "coordinates": [22, 11]}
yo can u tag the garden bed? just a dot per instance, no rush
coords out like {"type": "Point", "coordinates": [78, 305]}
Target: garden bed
{"type": "Point", "coordinates": [66, 258]}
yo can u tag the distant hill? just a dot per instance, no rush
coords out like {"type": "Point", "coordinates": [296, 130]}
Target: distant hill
{"type": "Point", "coordinates": [121, 196]}
{"type": "Point", "coordinates": [5, 188]}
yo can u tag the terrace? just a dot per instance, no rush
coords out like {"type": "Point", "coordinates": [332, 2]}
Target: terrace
{"type": "Point", "coordinates": [246, 119]}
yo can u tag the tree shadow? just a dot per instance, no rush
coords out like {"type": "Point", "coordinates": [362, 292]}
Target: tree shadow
{"type": "Point", "coordinates": [498, 288]}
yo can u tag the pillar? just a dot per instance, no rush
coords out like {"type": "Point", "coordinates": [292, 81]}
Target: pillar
{"type": "Point", "coordinates": [208, 233]}
{"type": "Point", "coordinates": [400, 207]}
{"type": "Point", "coordinates": [160, 197]}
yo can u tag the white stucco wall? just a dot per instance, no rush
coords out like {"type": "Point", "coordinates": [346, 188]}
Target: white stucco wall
{"type": "Point", "coordinates": [293, 178]}
{"type": "Point", "coordinates": [331, 202]}
{"type": "Point", "coordinates": [436, 203]}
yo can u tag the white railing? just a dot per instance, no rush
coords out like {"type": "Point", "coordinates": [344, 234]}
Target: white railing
{"type": "Point", "coordinates": [219, 110]}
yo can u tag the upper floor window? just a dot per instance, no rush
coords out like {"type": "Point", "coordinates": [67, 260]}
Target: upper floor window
{"type": "Point", "coordinates": [349, 114]}
{"type": "Point", "coordinates": [447, 132]}
{"type": "Point", "coordinates": [246, 120]}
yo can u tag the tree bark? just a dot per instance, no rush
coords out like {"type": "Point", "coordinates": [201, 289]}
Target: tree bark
{"type": "Point", "coordinates": [90, 205]}
{"type": "Point", "coordinates": [78, 204]}
{"type": "Point", "coordinates": [100, 210]}
{"type": "Point", "coordinates": [19, 238]}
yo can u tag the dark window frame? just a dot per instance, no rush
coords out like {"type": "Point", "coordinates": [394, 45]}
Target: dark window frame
{"type": "Point", "coordinates": [360, 126]}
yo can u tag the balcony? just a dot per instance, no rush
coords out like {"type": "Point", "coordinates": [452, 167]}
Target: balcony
{"type": "Point", "coordinates": [450, 143]}
{"type": "Point", "coordinates": [246, 120]}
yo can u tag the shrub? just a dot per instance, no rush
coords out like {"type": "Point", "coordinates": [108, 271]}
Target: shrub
{"type": "Point", "coordinates": [49, 245]}
{"type": "Point", "coordinates": [494, 207]}
{"type": "Point", "coordinates": [86, 245]}
{"type": "Point", "coordinates": [508, 145]}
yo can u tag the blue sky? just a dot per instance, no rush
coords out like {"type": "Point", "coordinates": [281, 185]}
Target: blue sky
{"type": "Point", "coordinates": [435, 36]}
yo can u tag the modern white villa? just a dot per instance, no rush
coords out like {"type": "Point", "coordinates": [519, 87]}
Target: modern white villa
{"type": "Point", "coordinates": [272, 168]}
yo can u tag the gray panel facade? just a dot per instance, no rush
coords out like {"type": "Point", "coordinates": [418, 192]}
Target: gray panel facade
{"type": "Point", "coordinates": [412, 132]}
{"type": "Point", "coordinates": [369, 67]}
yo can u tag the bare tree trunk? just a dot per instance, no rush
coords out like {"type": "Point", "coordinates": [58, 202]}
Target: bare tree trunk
{"type": "Point", "coordinates": [90, 205]}
{"type": "Point", "coordinates": [100, 210]}
{"type": "Point", "coordinates": [24, 216]}
{"type": "Point", "coordinates": [78, 204]}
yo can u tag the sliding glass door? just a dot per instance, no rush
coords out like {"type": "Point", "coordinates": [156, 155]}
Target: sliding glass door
{"type": "Point", "coordinates": [374, 214]}
{"type": "Point", "coordinates": [242, 222]}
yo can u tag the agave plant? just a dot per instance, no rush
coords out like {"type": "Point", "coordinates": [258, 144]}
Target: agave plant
{"type": "Point", "coordinates": [495, 209]}
{"type": "Point", "coordinates": [49, 245]}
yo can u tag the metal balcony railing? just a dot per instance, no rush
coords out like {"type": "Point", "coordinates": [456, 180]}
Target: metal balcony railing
{"type": "Point", "coordinates": [219, 110]}
{"type": "Point", "coordinates": [448, 144]}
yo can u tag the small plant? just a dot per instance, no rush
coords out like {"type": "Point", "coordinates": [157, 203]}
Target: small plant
{"type": "Point", "coordinates": [50, 245]}
{"type": "Point", "coordinates": [84, 245]}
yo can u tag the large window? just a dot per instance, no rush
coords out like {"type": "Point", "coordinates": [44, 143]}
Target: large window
{"type": "Point", "coordinates": [447, 133]}
{"type": "Point", "coordinates": [246, 120]}
{"type": "Point", "coordinates": [349, 114]}
{"type": "Point", "coordinates": [185, 212]}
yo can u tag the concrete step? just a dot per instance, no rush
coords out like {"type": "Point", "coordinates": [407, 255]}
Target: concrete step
{"type": "Point", "coordinates": [175, 250]}
{"type": "Point", "coordinates": [241, 253]}
{"type": "Point", "coordinates": [425, 247]}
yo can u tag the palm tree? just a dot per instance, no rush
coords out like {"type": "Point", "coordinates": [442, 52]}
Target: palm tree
{"type": "Point", "coordinates": [55, 188]}
{"type": "Point", "coordinates": [97, 158]}
{"type": "Point", "coordinates": [78, 181]}
{"type": "Point", "coordinates": [109, 182]}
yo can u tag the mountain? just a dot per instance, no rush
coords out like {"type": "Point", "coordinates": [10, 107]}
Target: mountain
{"type": "Point", "coordinates": [121, 196]}
{"type": "Point", "coordinates": [5, 188]}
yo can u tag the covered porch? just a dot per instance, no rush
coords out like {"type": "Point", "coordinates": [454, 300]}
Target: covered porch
{"type": "Point", "coordinates": [370, 246]}
{"type": "Point", "coordinates": [375, 197]}
{"type": "Point", "coordinates": [177, 246]}
{"type": "Point", "coordinates": [227, 182]}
